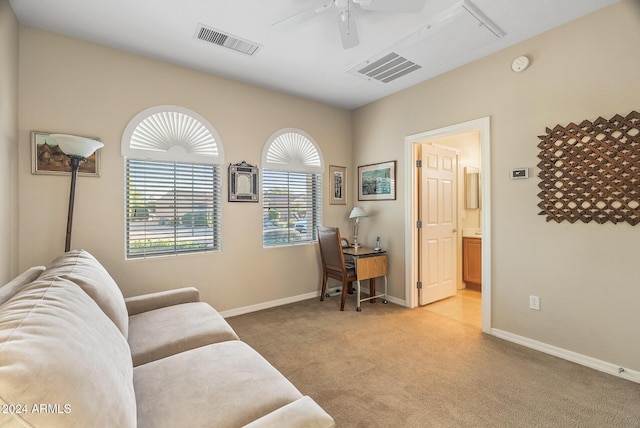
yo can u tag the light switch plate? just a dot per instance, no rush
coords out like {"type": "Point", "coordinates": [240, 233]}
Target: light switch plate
{"type": "Point", "coordinates": [519, 173]}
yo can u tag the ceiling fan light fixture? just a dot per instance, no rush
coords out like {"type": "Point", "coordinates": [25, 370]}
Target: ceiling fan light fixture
{"type": "Point", "coordinates": [346, 19]}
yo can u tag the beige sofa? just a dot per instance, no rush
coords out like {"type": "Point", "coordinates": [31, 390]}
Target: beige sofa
{"type": "Point", "coordinates": [75, 353]}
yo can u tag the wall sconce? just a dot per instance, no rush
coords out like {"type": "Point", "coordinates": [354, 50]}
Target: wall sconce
{"type": "Point", "coordinates": [77, 149]}
{"type": "Point", "coordinates": [356, 213]}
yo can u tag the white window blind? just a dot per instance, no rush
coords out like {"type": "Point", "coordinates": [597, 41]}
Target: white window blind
{"type": "Point", "coordinates": [292, 207]}
{"type": "Point", "coordinates": [171, 208]}
{"type": "Point", "coordinates": [292, 168]}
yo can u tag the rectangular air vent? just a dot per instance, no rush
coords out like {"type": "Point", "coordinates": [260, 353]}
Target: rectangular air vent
{"type": "Point", "coordinates": [388, 68]}
{"type": "Point", "coordinates": [226, 40]}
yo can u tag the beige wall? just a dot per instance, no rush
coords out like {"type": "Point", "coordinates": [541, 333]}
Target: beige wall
{"type": "Point", "coordinates": [76, 87]}
{"type": "Point", "coordinates": [9, 42]}
{"type": "Point", "coordinates": [585, 274]}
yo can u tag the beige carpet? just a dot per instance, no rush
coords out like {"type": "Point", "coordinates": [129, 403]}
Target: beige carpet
{"type": "Point", "coordinates": [389, 366]}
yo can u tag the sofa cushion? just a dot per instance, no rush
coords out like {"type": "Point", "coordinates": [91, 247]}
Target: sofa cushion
{"type": "Point", "coordinates": [83, 269]}
{"type": "Point", "coordinates": [166, 331]}
{"type": "Point", "coordinates": [302, 413]}
{"type": "Point", "coordinates": [10, 288]}
{"type": "Point", "coordinates": [161, 299]}
{"type": "Point", "coordinates": [226, 384]}
{"type": "Point", "coordinates": [62, 359]}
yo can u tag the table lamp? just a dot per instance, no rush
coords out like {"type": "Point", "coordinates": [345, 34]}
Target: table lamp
{"type": "Point", "coordinates": [356, 213]}
{"type": "Point", "coordinates": [77, 149]}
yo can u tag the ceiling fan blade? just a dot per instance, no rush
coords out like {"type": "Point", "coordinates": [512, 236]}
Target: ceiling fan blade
{"type": "Point", "coordinates": [348, 30]}
{"type": "Point", "coordinates": [304, 15]}
{"type": "Point", "coordinates": [408, 6]}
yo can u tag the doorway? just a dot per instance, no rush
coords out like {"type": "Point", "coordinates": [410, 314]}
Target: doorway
{"type": "Point", "coordinates": [413, 273]}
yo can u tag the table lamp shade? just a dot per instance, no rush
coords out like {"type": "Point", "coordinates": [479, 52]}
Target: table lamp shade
{"type": "Point", "coordinates": [73, 145]}
{"type": "Point", "coordinates": [357, 212]}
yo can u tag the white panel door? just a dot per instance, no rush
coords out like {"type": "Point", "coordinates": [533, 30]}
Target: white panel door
{"type": "Point", "coordinates": [438, 213]}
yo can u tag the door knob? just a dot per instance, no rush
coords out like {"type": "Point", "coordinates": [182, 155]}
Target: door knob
{"type": "Point", "coordinates": [454, 230]}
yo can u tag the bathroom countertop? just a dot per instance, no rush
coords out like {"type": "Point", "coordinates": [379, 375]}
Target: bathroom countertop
{"type": "Point", "coordinates": [472, 233]}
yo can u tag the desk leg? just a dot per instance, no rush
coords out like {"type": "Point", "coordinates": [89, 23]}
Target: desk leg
{"type": "Point", "coordinates": [372, 289]}
{"type": "Point", "coordinates": [358, 295]}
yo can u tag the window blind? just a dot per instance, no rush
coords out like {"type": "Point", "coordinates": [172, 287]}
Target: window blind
{"type": "Point", "coordinates": [171, 208]}
{"type": "Point", "coordinates": [292, 207]}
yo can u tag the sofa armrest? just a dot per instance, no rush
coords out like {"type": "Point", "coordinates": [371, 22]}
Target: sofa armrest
{"type": "Point", "coordinates": [302, 413]}
{"type": "Point", "coordinates": [161, 299]}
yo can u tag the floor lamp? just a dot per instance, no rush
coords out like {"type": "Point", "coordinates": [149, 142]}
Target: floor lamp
{"type": "Point", "coordinates": [77, 149]}
{"type": "Point", "coordinates": [356, 213]}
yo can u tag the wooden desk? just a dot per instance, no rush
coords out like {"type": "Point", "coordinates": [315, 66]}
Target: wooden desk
{"type": "Point", "coordinates": [370, 264]}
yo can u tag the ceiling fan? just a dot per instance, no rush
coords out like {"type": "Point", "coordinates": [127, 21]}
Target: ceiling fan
{"type": "Point", "coordinates": [346, 19]}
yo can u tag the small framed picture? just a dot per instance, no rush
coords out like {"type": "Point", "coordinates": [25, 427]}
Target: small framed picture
{"type": "Point", "coordinates": [337, 185]}
{"type": "Point", "coordinates": [377, 182]}
{"type": "Point", "coordinates": [47, 158]}
{"type": "Point", "coordinates": [243, 182]}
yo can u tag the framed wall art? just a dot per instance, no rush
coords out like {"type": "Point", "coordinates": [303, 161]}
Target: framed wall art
{"type": "Point", "coordinates": [377, 182]}
{"type": "Point", "coordinates": [47, 158]}
{"type": "Point", "coordinates": [337, 185]}
{"type": "Point", "coordinates": [243, 182]}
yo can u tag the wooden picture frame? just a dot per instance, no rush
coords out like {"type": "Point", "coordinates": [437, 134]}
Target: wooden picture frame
{"type": "Point", "coordinates": [337, 185]}
{"type": "Point", "coordinates": [47, 158]}
{"type": "Point", "coordinates": [377, 182]}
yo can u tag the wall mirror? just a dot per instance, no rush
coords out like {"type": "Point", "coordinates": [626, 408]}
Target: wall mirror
{"type": "Point", "coordinates": [472, 187]}
{"type": "Point", "coordinates": [243, 182]}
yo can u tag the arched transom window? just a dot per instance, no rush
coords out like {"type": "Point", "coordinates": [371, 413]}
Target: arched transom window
{"type": "Point", "coordinates": [292, 168]}
{"type": "Point", "coordinates": [173, 183]}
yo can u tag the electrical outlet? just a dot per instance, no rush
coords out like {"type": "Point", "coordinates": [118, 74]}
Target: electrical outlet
{"type": "Point", "coordinates": [534, 303]}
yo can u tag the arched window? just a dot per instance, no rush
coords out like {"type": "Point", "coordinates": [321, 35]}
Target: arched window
{"type": "Point", "coordinates": [173, 183]}
{"type": "Point", "coordinates": [292, 168]}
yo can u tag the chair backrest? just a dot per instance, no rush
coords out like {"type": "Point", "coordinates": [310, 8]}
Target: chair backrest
{"type": "Point", "coordinates": [331, 248]}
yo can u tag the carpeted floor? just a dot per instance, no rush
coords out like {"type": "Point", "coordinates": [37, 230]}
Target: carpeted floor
{"type": "Point", "coordinates": [389, 366]}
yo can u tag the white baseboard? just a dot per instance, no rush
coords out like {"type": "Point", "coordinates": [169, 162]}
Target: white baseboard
{"type": "Point", "coordinates": [565, 354]}
{"type": "Point", "coordinates": [267, 305]}
{"type": "Point", "coordinates": [333, 291]}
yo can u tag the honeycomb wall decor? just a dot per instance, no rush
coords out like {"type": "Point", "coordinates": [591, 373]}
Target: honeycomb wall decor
{"type": "Point", "coordinates": [591, 171]}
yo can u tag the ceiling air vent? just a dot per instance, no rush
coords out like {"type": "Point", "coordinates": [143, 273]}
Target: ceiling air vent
{"type": "Point", "coordinates": [226, 40]}
{"type": "Point", "coordinates": [388, 68]}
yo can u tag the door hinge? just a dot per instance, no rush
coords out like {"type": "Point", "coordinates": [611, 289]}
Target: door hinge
{"type": "Point", "coordinates": [419, 224]}
{"type": "Point", "coordinates": [419, 163]}
{"type": "Point", "coordinates": [419, 285]}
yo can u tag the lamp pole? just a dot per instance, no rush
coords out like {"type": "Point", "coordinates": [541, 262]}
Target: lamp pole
{"type": "Point", "coordinates": [75, 165]}
{"type": "Point", "coordinates": [77, 149]}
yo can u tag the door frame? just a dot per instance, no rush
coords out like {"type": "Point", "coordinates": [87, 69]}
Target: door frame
{"type": "Point", "coordinates": [411, 245]}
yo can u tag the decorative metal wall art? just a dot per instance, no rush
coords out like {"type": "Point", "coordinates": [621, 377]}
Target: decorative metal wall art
{"type": "Point", "coordinates": [591, 171]}
{"type": "Point", "coordinates": [243, 182]}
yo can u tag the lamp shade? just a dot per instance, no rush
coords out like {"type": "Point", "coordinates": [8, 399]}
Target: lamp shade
{"type": "Point", "coordinates": [73, 145]}
{"type": "Point", "coordinates": [357, 212]}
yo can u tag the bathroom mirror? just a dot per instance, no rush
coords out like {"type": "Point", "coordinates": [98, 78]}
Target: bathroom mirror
{"type": "Point", "coordinates": [472, 187]}
{"type": "Point", "coordinates": [243, 182]}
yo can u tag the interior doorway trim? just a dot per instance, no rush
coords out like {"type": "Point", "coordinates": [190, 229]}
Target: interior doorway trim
{"type": "Point", "coordinates": [483, 126]}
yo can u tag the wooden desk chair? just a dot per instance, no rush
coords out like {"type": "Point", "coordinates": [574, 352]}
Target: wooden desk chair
{"type": "Point", "coordinates": [333, 264]}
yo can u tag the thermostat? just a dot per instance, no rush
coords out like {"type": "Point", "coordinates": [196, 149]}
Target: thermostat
{"type": "Point", "coordinates": [518, 173]}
